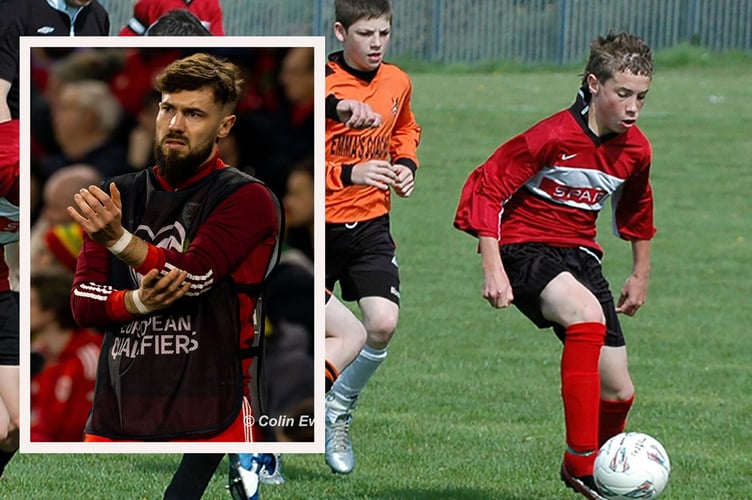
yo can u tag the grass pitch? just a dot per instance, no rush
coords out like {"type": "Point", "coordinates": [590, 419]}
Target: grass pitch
{"type": "Point", "coordinates": [467, 404]}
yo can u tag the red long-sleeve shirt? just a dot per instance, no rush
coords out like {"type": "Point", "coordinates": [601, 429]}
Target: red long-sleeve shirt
{"type": "Point", "coordinates": [549, 183]}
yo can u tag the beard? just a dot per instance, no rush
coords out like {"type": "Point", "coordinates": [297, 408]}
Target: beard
{"type": "Point", "coordinates": [177, 167]}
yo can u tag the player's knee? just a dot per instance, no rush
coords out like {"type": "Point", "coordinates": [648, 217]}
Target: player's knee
{"type": "Point", "coordinates": [577, 308]}
{"type": "Point", "coordinates": [382, 322]}
{"type": "Point", "coordinates": [380, 330]}
{"type": "Point", "coordinates": [592, 312]}
{"type": "Point", "coordinates": [379, 338]}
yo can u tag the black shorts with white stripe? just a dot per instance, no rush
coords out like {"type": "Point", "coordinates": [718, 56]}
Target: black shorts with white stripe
{"type": "Point", "coordinates": [531, 266]}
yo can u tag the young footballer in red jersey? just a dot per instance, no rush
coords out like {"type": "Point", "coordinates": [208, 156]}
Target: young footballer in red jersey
{"type": "Point", "coordinates": [533, 206]}
{"type": "Point", "coordinates": [9, 339]}
{"type": "Point", "coordinates": [171, 268]}
{"type": "Point", "coordinates": [363, 165]}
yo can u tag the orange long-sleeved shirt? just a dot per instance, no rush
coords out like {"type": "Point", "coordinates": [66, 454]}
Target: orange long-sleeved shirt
{"type": "Point", "coordinates": [387, 91]}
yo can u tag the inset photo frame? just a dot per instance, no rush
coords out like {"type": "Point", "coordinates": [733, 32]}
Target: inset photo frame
{"type": "Point", "coordinates": [168, 263]}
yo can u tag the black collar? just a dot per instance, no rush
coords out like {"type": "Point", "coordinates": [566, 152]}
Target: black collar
{"type": "Point", "coordinates": [339, 59]}
{"type": "Point", "coordinates": [579, 110]}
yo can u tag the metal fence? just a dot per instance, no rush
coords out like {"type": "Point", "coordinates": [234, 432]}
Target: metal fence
{"type": "Point", "coordinates": [529, 31]}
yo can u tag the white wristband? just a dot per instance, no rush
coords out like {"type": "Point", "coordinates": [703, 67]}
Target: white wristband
{"type": "Point", "coordinates": [122, 242]}
{"type": "Point", "coordinates": [142, 309]}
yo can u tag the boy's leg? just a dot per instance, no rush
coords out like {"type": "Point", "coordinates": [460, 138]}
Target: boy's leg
{"type": "Point", "coordinates": [580, 391]}
{"type": "Point", "coordinates": [9, 376]}
{"type": "Point", "coordinates": [617, 392]}
{"type": "Point", "coordinates": [345, 337]}
{"type": "Point", "coordinates": [380, 319]}
{"type": "Point", "coordinates": [567, 302]}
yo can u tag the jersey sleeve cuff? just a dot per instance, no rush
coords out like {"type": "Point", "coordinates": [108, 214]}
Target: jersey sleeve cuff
{"type": "Point", "coordinates": [116, 310]}
{"type": "Point", "coordinates": [408, 163]}
{"type": "Point", "coordinates": [346, 176]}
{"type": "Point", "coordinates": [486, 234]}
{"type": "Point", "coordinates": [155, 259]}
{"type": "Point", "coordinates": [330, 111]}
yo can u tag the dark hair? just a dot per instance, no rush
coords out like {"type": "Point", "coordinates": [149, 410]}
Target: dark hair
{"type": "Point", "coordinates": [53, 290]}
{"type": "Point", "coordinates": [178, 22]}
{"type": "Point", "coordinates": [617, 52]}
{"type": "Point", "coordinates": [348, 12]}
{"type": "Point", "coordinates": [203, 70]}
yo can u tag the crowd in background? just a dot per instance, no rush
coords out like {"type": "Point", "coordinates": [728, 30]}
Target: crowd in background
{"type": "Point", "coordinates": [93, 116]}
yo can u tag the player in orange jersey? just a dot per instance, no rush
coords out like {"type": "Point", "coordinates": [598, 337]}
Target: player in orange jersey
{"type": "Point", "coordinates": [363, 166]}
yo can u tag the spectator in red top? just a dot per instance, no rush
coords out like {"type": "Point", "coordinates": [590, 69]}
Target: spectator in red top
{"type": "Point", "coordinates": [61, 393]}
{"type": "Point", "coordinates": [146, 13]}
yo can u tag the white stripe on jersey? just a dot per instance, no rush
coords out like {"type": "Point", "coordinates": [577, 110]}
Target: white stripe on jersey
{"type": "Point", "coordinates": [247, 421]}
{"type": "Point", "coordinates": [94, 291]}
{"type": "Point", "coordinates": [88, 355]}
{"type": "Point", "coordinates": [136, 26]}
{"type": "Point", "coordinates": [199, 283]}
{"type": "Point", "coordinates": [614, 207]}
{"type": "Point", "coordinates": [586, 189]}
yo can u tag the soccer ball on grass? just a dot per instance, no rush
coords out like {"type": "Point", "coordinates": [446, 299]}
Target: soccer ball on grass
{"type": "Point", "coordinates": [631, 465]}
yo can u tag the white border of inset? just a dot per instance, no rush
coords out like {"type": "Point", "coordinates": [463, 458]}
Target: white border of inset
{"type": "Point", "coordinates": [317, 43]}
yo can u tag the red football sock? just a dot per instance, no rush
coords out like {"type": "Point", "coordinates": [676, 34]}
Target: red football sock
{"type": "Point", "coordinates": [331, 374]}
{"type": "Point", "coordinates": [580, 391]}
{"type": "Point", "coordinates": [613, 418]}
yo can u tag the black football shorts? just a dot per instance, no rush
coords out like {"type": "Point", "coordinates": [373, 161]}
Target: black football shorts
{"type": "Point", "coordinates": [361, 256]}
{"type": "Point", "coordinates": [531, 266]}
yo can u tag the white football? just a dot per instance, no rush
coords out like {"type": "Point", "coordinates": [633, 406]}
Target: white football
{"type": "Point", "coordinates": [631, 465]}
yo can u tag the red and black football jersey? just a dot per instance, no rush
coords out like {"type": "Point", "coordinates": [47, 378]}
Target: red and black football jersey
{"type": "Point", "coordinates": [549, 183]}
